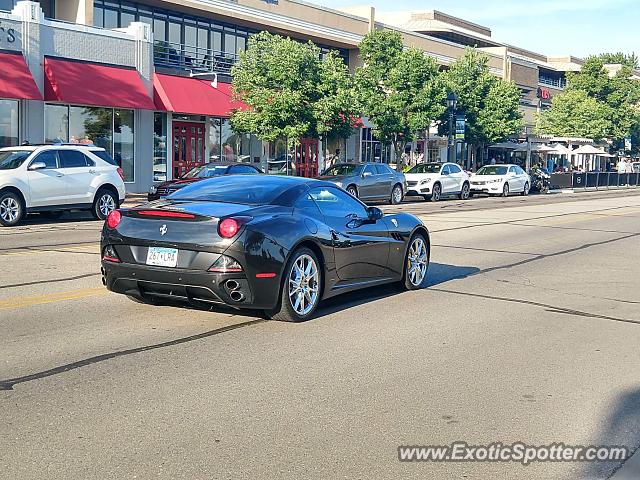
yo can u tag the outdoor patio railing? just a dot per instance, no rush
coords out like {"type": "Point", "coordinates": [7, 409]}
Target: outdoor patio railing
{"type": "Point", "coordinates": [594, 180]}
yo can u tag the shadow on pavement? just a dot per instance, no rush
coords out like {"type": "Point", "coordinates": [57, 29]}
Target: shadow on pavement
{"type": "Point", "coordinates": [621, 427]}
{"type": "Point", "coordinates": [438, 273]}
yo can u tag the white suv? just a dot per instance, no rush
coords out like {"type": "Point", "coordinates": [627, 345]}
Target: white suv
{"type": "Point", "coordinates": [52, 179]}
{"type": "Point", "coordinates": [436, 180]}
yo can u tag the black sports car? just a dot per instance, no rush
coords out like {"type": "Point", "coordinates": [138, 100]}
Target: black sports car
{"type": "Point", "coordinates": [280, 244]}
{"type": "Point", "coordinates": [197, 174]}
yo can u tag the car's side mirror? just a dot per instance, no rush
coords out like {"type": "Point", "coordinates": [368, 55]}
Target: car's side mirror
{"type": "Point", "coordinates": [374, 214]}
{"type": "Point", "coordinates": [366, 174]}
{"type": "Point", "coordinates": [37, 166]}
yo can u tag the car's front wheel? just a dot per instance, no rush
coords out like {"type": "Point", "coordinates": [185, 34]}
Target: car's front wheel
{"type": "Point", "coordinates": [465, 193]}
{"type": "Point", "coordinates": [352, 190]}
{"type": "Point", "coordinates": [11, 209]}
{"type": "Point", "coordinates": [104, 203]}
{"type": "Point", "coordinates": [416, 262]}
{"type": "Point", "coordinates": [525, 190]}
{"type": "Point", "coordinates": [436, 193]}
{"type": "Point", "coordinates": [300, 293]}
{"type": "Point", "coordinates": [505, 190]}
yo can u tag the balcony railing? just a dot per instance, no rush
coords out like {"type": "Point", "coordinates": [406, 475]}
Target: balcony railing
{"type": "Point", "coordinates": [552, 82]}
{"type": "Point", "coordinates": [195, 59]}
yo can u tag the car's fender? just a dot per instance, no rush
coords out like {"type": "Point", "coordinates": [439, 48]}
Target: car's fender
{"type": "Point", "coordinates": [17, 183]}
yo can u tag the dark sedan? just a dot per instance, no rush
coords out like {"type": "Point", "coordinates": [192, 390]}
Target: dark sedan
{"type": "Point", "coordinates": [368, 181]}
{"type": "Point", "coordinates": [280, 245]}
{"type": "Point", "coordinates": [196, 174]}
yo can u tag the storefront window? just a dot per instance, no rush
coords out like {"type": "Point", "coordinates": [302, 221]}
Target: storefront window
{"type": "Point", "coordinates": [56, 123]}
{"type": "Point", "coordinates": [91, 125]}
{"type": "Point", "coordinates": [159, 147]}
{"type": "Point", "coordinates": [250, 149]}
{"type": "Point", "coordinates": [214, 139]}
{"type": "Point", "coordinates": [230, 142]}
{"type": "Point", "coordinates": [372, 148]}
{"type": "Point", "coordinates": [8, 123]}
{"type": "Point", "coordinates": [123, 144]}
{"type": "Point", "coordinates": [110, 129]}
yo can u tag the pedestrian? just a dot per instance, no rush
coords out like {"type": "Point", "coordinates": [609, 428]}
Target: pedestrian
{"type": "Point", "coordinates": [493, 161]}
{"type": "Point", "coordinates": [622, 165]}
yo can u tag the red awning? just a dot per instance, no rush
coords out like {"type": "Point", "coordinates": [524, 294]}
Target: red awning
{"type": "Point", "coordinates": [15, 78]}
{"type": "Point", "coordinates": [193, 96]}
{"type": "Point", "coordinates": [83, 83]}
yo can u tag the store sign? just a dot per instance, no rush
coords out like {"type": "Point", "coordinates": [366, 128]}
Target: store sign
{"type": "Point", "coordinates": [460, 127]}
{"type": "Point", "coordinates": [544, 94]}
{"type": "Point", "coordinates": [9, 36]}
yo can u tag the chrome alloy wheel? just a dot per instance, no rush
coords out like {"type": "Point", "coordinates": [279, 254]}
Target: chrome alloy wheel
{"type": "Point", "coordinates": [304, 285]}
{"type": "Point", "coordinates": [106, 204]}
{"type": "Point", "coordinates": [397, 195]}
{"type": "Point", "coordinates": [9, 210]}
{"type": "Point", "coordinates": [417, 261]}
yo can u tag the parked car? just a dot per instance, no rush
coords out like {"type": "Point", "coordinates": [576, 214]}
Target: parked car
{"type": "Point", "coordinates": [434, 180]}
{"type": "Point", "coordinates": [368, 181]}
{"type": "Point", "coordinates": [280, 245]}
{"type": "Point", "coordinates": [500, 180]}
{"type": "Point", "coordinates": [202, 172]}
{"type": "Point", "coordinates": [53, 179]}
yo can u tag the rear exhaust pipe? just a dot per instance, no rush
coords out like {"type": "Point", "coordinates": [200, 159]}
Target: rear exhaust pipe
{"type": "Point", "coordinates": [237, 296]}
{"type": "Point", "coordinates": [232, 285]}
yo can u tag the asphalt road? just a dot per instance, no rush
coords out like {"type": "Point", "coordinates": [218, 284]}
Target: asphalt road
{"type": "Point", "coordinates": [528, 332]}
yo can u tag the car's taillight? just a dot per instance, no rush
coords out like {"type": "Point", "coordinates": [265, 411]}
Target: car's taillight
{"type": "Point", "coordinates": [226, 264]}
{"type": "Point", "coordinates": [109, 254]}
{"type": "Point", "coordinates": [228, 227]}
{"type": "Point", "coordinates": [121, 173]}
{"type": "Point", "coordinates": [113, 220]}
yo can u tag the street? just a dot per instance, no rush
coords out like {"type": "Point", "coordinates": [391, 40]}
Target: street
{"type": "Point", "coordinates": [527, 332]}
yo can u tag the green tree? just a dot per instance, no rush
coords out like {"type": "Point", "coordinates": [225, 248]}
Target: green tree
{"type": "Point", "coordinates": [399, 89]}
{"type": "Point", "coordinates": [630, 60]}
{"type": "Point", "coordinates": [489, 104]}
{"type": "Point", "coordinates": [291, 91]}
{"type": "Point", "coordinates": [618, 95]}
{"type": "Point", "coordinates": [575, 114]}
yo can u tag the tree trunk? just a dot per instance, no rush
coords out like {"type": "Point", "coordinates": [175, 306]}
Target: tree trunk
{"type": "Point", "coordinates": [398, 147]}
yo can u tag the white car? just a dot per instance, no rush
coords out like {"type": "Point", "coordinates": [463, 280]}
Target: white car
{"type": "Point", "coordinates": [432, 181]}
{"type": "Point", "coordinates": [500, 180]}
{"type": "Point", "coordinates": [52, 179]}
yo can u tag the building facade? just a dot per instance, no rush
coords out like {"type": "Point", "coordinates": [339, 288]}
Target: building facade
{"type": "Point", "coordinates": [150, 80]}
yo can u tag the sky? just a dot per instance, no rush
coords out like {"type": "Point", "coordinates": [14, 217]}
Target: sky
{"type": "Point", "coordinates": [549, 27]}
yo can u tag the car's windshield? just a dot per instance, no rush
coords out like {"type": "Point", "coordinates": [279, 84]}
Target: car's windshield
{"type": "Point", "coordinates": [10, 159]}
{"type": "Point", "coordinates": [206, 171]}
{"type": "Point", "coordinates": [426, 168]}
{"type": "Point", "coordinates": [492, 170]}
{"type": "Point", "coordinates": [229, 189]}
{"type": "Point", "coordinates": [340, 170]}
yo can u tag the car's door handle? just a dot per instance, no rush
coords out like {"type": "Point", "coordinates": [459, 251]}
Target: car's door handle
{"type": "Point", "coordinates": [91, 170]}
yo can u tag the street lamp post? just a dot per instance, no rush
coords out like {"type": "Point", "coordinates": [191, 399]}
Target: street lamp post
{"type": "Point", "coordinates": [452, 101]}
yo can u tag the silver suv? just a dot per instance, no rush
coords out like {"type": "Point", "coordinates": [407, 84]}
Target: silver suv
{"type": "Point", "coordinates": [52, 179]}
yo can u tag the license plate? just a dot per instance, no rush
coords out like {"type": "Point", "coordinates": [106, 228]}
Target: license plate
{"type": "Point", "coordinates": [162, 257]}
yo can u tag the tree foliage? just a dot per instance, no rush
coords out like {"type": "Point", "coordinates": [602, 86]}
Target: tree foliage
{"type": "Point", "coordinates": [617, 96]}
{"type": "Point", "coordinates": [575, 114]}
{"type": "Point", "coordinates": [291, 90]}
{"type": "Point", "coordinates": [489, 104]}
{"type": "Point", "coordinates": [399, 89]}
{"type": "Point", "coordinates": [630, 60]}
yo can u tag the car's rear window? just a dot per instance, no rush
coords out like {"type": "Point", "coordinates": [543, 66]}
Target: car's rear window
{"type": "Point", "coordinates": [104, 156]}
{"type": "Point", "coordinates": [10, 159]}
{"type": "Point", "coordinates": [232, 189]}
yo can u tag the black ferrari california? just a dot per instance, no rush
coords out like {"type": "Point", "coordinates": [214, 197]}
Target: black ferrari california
{"type": "Point", "coordinates": [279, 244]}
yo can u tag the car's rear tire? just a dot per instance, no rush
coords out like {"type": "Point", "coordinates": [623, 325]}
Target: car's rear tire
{"type": "Point", "coordinates": [352, 190]}
{"type": "Point", "coordinates": [104, 203]}
{"type": "Point", "coordinates": [466, 192]}
{"type": "Point", "coordinates": [11, 209]}
{"type": "Point", "coordinates": [301, 282]}
{"type": "Point", "coordinates": [505, 190]}
{"type": "Point", "coordinates": [436, 193]}
{"type": "Point", "coordinates": [416, 262]}
{"type": "Point", "coordinates": [396, 195]}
